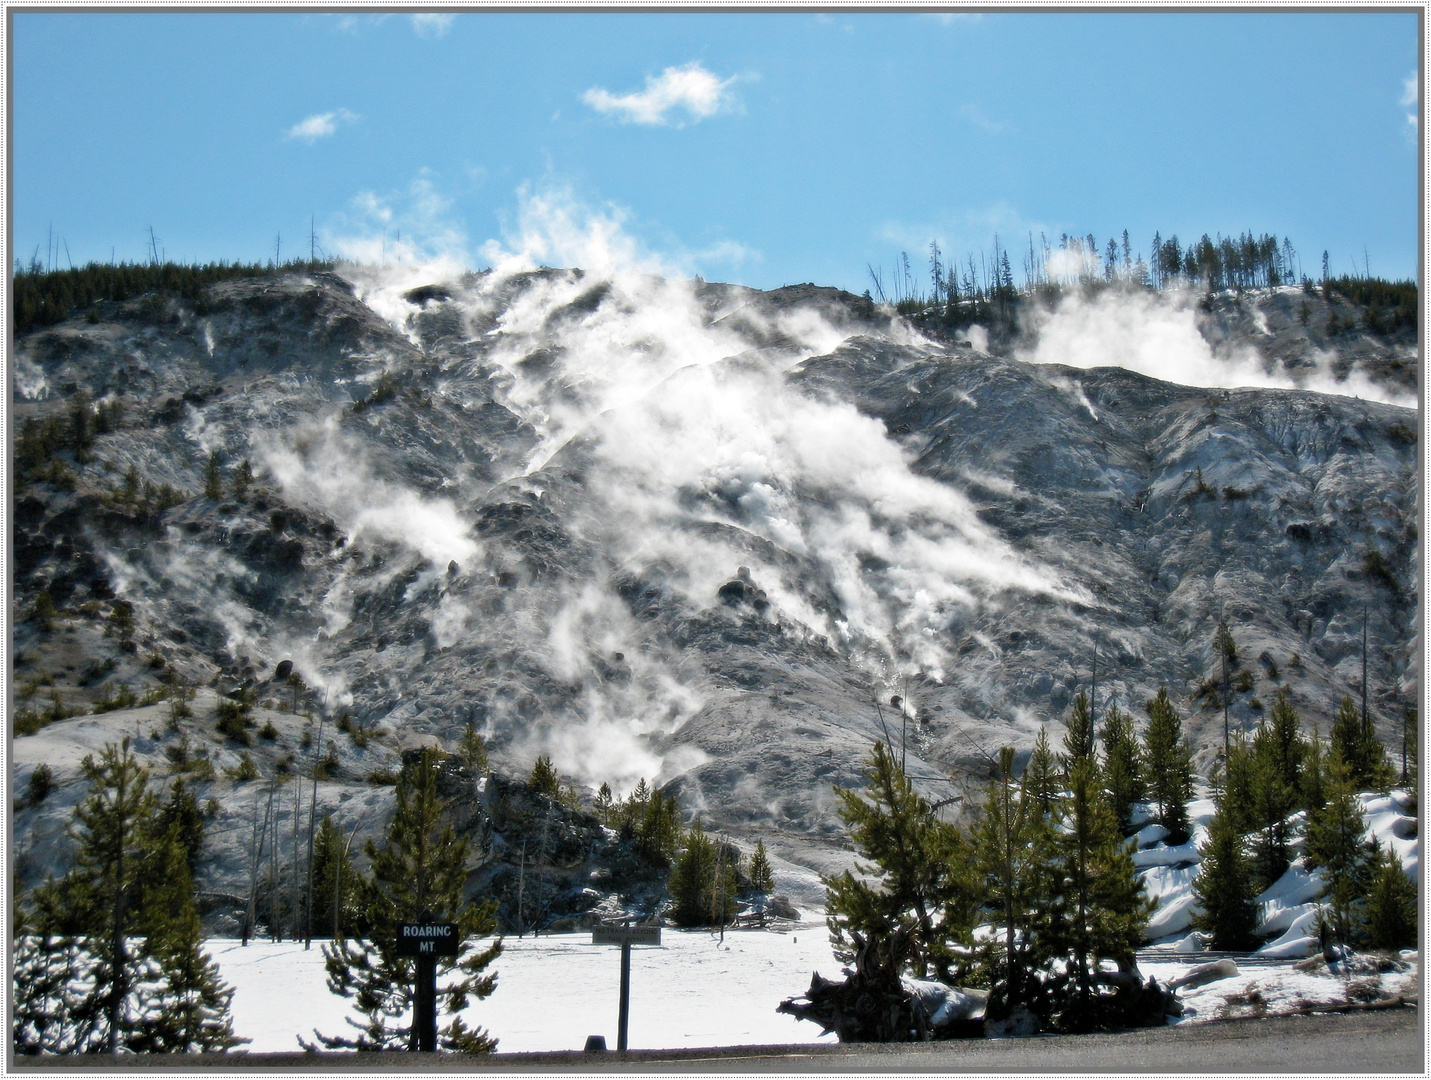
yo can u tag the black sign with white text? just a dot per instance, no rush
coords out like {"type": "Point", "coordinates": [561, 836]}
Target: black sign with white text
{"type": "Point", "coordinates": [427, 939]}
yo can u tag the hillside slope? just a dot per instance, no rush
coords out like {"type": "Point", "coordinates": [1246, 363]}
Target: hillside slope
{"type": "Point", "coordinates": [691, 532]}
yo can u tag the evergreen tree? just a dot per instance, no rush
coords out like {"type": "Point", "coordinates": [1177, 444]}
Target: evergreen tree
{"type": "Point", "coordinates": [419, 873]}
{"type": "Point", "coordinates": [1272, 800]}
{"type": "Point", "coordinates": [1284, 743]}
{"type": "Point", "coordinates": [1012, 846]}
{"type": "Point", "coordinates": [473, 751]}
{"type": "Point", "coordinates": [1334, 844]}
{"type": "Point", "coordinates": [1101, 911]}
{"type": "Point", "coordinates": [194, 1012]}
{"type": "Point", "coordinates": [659, 832]}
{"type": "Point", "coordinates": [125, 917]}
{"type": "Point", "coordinates": [1359, 749]}
{"type": "Point", "coordinates": [1078, 740]}
{"type": "Point", "coordinates": [51, 970]}
{"type": "Point", "coordinates": [1389, 919]}
{"type": "Point", "coordinates": [544, 779]}
{"type": "Point", "coordinates": [702, 885]}
{"type": "Point", "coordinates": [604, 806]}
{"type": "Point", "coordinates": [1223, 886]}
{"type": "Point", "coordinates": [762, 877]}
{"type": "Point", "coordinates": [1041, 777]}
{"type": "Point", "coordinates": [915, 879]}
{"type": "Point", "coordinates": [1167, 760]}
{"type": "Point", "coordinates": [1314, 771]}
{"type": "Point", "coordinates": [243, 479]}
{"type": "Point", "coordinates": [334, 882]}
{"type": "Point", "coordinates": [182, 815]}
{"type": "Point", "coordinates": [213, 477]}
{"type": "Point", "coordinates": [633, 809]}
{"type": "Point", "coordinates": [104, 897]}
{"type": "Point", "coordinates": [1235, 797]}
{"type": "Point", "coordinates": [1122, 771]}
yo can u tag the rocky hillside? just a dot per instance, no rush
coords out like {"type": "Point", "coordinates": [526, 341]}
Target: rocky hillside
{"type": "Point", "coordinates": [688, 532]}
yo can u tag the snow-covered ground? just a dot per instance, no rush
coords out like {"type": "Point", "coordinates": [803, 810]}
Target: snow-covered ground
{"type": "Point", "coordinates": [1288, 908]}
{"type": "Point", "coordinates": [1265, 987]}
{"type": "Point", "coordinates": [554, 991]}
{"type": "Point", "coordinates": [696, 990]}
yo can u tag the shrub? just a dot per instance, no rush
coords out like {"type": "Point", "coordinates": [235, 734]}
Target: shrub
{"type": "Point", "coordinates": [233, 721]}
{"type": "Point", "coordinates": [42, 782]}
{"type": "Point", "coordinates": [268, 731]}
{"type": "Point", "coordinates": [245, 770]}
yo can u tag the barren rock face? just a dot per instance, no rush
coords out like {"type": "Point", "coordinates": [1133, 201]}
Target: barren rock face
{"type": "Point", "coordinates": [694, 533]}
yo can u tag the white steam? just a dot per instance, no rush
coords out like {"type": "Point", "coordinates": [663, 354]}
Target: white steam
{"type": "Point", "coordinates": [329, 469]}
{"type": "Point", "coordinates": [1156, 334]}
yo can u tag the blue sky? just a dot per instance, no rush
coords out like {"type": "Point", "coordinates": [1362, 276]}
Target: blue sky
{"type": "Point", "coordinates": [750, 147]}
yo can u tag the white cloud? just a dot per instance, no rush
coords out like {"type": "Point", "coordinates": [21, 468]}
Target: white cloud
{"type": "Point", "coordinates": [431, 25]}
{"type": "Point", "coordinates": [1410, 98]}
{"type": "Point", "coordinates": [691, 88]}
{"type": "Point", "coordinates": [414, 227]}
{"type": "Point", "coordinates": [980, 119]}
{"type": "Point", "coordinates": [320, 125]}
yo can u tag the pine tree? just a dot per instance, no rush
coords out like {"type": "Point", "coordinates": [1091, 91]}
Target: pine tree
{"type": "Point", "coordinates": [213, 477]}
{"type": "Point", "coordinates": [334, 882]}
{"type": "Point", "coordinates": [1284, 742]}
{"type": "Point", "coordinates": [544, 779]}
{"type": "Point", "coordinates": [104, 895]}
{"type": "Point", "coordinates": [659, 832]}
{"type": "Point", "coordinates": [1389, 918]}
{"type": "Point", "coordinates": [1167, 760]}
{"type": "Point", "coordinates": [1314, 770]}
{"type": "Point", "coordinates": [1041, 777]}
{"type": "Point", "coordinates": [1271, 801]}
{"type": "Point", "coordinates": [243, 479]}
{"type": "Point", "coordinates": [1224, 887]}
{"type": "Point", "coordinates": [1235, 789]}
{"type": "Point", "coordinates": [473, 751]}
{"type": "Point", "coordinates": [1012, 846]}
{"type": "Point", "coordinates": [700, 876]}
{"type": "Point", "coordinates": [633, 809]}
{"type": "Point", "coordinates": [182, 815]}
{"type": "Point", "coordinates": [914, 880]}
{"type": "Point", "coordinates": [1334, 844]}
{"type": "Point", "coordinates": [762, 877]}
{"type": "Point", "coordinates": [1359, 749]}
{"type": "Point", "coordinates": [604, 806]}
{"type": "Point", "coordinates": [51, 970]}
{"type": "Point", "coordinates": [1078, 740]}
{"type": "Point", "coordinates": [418, 873]}
{"type": "Point", "coordinates": [1102, 911]}
{"type": "Point", "coordinates": [1122, 771]}
{"type": "Point", "coordinates": [125, 916]}
{"type": "Point", "coordinates": [194, 1011]}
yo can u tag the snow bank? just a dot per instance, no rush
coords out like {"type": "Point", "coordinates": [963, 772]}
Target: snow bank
{"type": "Point", "coordinates": [1288, 908]}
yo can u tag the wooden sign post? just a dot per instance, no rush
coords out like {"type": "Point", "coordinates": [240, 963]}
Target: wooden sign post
{"type": "Point", "coordinates": [625, 936]}
{"type": "Point", "coordinates": [426, 941]}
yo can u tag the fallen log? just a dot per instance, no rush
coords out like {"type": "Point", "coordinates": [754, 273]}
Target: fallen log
{"type": "Point", "coordinates": [874, 1003]}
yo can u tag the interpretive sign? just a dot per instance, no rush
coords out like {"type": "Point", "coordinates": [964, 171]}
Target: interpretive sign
{"type": "Point", "coordinates": [428, 939]}
{"type": "Point", "coordinates": [626, 935]}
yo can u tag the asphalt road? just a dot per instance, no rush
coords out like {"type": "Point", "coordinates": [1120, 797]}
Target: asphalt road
{"type": "Point", "coordinates": [1384, 1042]}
